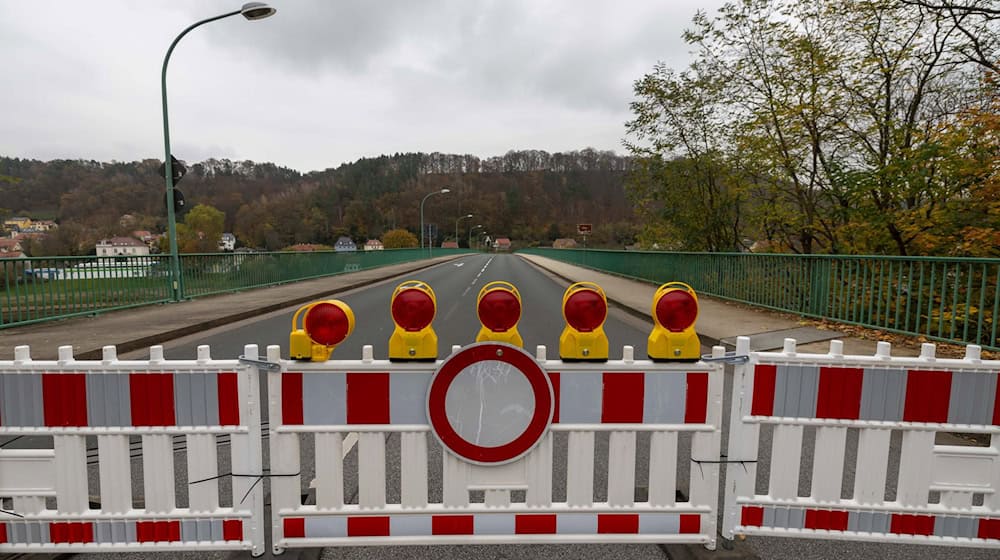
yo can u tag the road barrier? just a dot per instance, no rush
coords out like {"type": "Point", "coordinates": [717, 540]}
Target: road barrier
{"type": "Point", "coordinates": [496, 411]}
{"type": "Point", "coordinates": [851, 410]}
{"type": "Point", "coordinates": [98, 414]}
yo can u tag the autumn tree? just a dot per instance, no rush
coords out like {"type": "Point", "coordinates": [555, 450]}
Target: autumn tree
{"type": "Point", "coordinates": [399, 239]}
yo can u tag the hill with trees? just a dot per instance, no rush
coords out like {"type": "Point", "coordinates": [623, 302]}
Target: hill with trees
{"type": "Point", "coordinates": [531, 196]}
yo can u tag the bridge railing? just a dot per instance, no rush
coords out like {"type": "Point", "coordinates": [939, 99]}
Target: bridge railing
{"type": "Point", "coordinates": [948, 299]}
{"type": "Point", "coordinates": [37, 289]}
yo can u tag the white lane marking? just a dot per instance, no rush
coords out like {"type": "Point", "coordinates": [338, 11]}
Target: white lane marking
{"type": "Point", "coordinates": [459, 264]}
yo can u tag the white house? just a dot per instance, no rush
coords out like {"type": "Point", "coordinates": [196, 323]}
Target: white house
{"type": "Point", "coordinates": [345, 244]}
{"type": "Point", "coordinates": [227, 242]}
{"type": "Point", "coordinates": [121, 247]}
{"type": "Point", "coordinates": [374, 245]}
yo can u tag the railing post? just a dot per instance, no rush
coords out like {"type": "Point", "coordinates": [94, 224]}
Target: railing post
{"type": "Point", "coordinates": [819, 285]}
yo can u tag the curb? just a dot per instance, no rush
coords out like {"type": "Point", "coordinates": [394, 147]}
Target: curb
{"type": "Point", "coordinates": [165, 336]}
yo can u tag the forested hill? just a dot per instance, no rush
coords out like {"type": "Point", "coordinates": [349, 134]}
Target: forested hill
{"type": "Point", "coordinates": [527, 195]}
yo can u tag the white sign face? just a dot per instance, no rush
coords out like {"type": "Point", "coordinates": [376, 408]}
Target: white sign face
{"type": "Point", "coordinates": [490, 403]}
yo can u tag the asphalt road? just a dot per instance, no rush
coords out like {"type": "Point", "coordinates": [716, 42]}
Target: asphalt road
{"type": "Point", "coordinates": [456, 284]}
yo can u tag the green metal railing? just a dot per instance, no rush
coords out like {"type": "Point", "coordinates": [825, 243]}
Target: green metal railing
{"type": "Point", "coordinates": [948, 299]}
{"type": "Point", "coordinates": [37, 289]}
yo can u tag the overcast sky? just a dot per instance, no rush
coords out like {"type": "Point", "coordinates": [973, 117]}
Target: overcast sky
{"type": "Point", "coordinates": [328, 81]}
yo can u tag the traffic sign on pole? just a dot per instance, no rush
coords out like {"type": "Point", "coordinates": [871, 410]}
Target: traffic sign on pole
{"type": "Point", "coordinates": [584, 229]}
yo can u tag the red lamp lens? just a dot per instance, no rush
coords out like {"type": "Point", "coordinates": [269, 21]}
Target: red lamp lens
{"type": "Point", "coordinates": [412, 309]}
{"type": "Point", "coordinates": [676, 310]}
{"type": "Point", "coordinates": [326, 324]}
{"type": "Point", "coordinates": [585, 310]}
{"type": "Point", "coordinates": [499, 310]}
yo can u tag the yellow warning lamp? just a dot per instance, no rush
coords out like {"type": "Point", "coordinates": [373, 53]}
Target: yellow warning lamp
{"type": "Point", "coordinates": [413, 308]}
{"type": "Point", "coordinates": [499, 309]}
{"type": "Point", "coordinates": [325, 324]}
{"type": "Point", "coordinates": [675, 310]}
{"type": "Point", "coordinates": [585, 308]}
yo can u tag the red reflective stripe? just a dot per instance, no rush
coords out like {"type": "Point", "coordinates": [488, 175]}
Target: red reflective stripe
{"type": "Point", "coordinates": [839, 393]}
{"type": "Point", "coordinates": [229, 403]}
{"type": "Point", "coordinates": [996, 405]}
{"type": "Point", "coordinates": [696, 407]}
{"type": "Point", "coordinates": [367, 398]}
{"type": "Point", "coordinates": [295, 527]}
{"type": "Point", "coordinates": [3, 533]}
{"type": "Point", "coordinates": [618, 523]}
{"type": "Point", "coordinates": [690, 524]}
{"type": "Point", "coordinates": [927, 396]}
{"type": "Point", "coordinates": [904, 524]}
{"type": "Point", "coordinates": [752, 516]}
{"type": "Point", "coordinates": [368, 526]}
{"type": "Point", "coordinates": [291, 398]}
{"type": "Point", "coordinates": [152, 399]}
{"type": "Point", "coordinates": [989, 528]}
{"type": "Point", "coordinates": [64, 399]}
{"type": "Point", "coordinates": [763, 391]}
{"type": "Point", "coordinates": [535, 524]}
{"type": "Point", "coordinates": [232, 530]}
{"type": "Point", "coordinates": [554, 379]}
{"type": "Point", "coordinates": [623, 398]}
{"type": "Point", "coordinates": [826, 519]}
{"type": "Point", "coordinates": [452, 524]}
{"type": "Point", "coordinates": [158, 531]}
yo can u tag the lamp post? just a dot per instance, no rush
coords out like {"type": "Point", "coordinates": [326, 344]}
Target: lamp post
{"type": "Point", "coordinates": [472, 229]}
{"type": "Point", "coordinates": [252, 11]}
{"type": "Point", "coordinates": [456, 226]}
{"type": "Point", "coordinates": [442, 191]}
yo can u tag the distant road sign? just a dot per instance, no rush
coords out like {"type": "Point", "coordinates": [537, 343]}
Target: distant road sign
{"type": "Point", "coordinates": [584, 229]}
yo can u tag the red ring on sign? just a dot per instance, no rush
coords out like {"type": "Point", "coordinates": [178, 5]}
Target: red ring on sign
{"type": "Point", "coordinates": [480, 352]}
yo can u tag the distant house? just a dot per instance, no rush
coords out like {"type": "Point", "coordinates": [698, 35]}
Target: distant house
{"type": "Point", "coordinates": [44, 225]}
{"type": "Point", "coordinates": [17, 223]}
{"type": "Point", "coordinates": [564, 243]}
{"type": "Point", "coordinates": [121, 247]}
{"type": "Point", "coordinates": [227, 242]}
{"type": "Point", "coordinates": [449, 245]}
{"type": "Point", "coordinates": [10, 248]}
{"type": "Point", "coordinates": [374, 245]}
{"type": "Point", "coordinates": [502, 244]}
{"type": "Point", "coordinates": [344, 244]}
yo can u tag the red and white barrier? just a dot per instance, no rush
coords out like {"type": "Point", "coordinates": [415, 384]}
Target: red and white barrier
{"type": "Point", "coordinates": [125, 406]}
{"type": "Point", "coordinates": [852, 406]}
{"type": "Point", "coordinates": [337, 401]}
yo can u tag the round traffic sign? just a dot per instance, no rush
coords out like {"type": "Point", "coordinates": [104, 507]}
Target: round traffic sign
{"type": "Point", "coordinates": [490, 403]}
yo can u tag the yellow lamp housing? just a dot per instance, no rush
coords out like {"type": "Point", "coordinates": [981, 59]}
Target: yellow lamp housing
{"type": "Point", "coordinates": [675, 311]}
{"type": "Point", "coordinates": [498, 307]}
{"type": "Point", "coordinates": [413, 306]}
{"type": "Point", "coordinates": [325, 324]}
{"type": "Point", "coordinates": [585, 309]}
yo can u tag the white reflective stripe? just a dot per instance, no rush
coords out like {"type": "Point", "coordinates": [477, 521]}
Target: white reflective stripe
{"type": "Point", "coordinates": [795, 391]}
{"type": "Point", "coordinates": [196, 399]}
{"type": "Point", "coordinates": [576, 523]}
{"type": "Point", "coordinates": [972, 397]}
{"type": "Point", "coordinates": [883, 391]}
{"type": "Point", "coordinates": [328, 527]}
{"type": "Point", "coordinates": [493, 524]}
{"type": "Point", "coordinates": [580, 395]}
{"type": "Point", "coordinates": [109, 401]}
{"type": "Point", "coordinates": [665, 397]}
{"type": "Point", "coordinates": [200, 530]}
{"type": "Point", "coordinates": [324, 398]}
{"type": "Point", "coordinates": [950, 526]}
{"type": "Point", "coordinates": [410, 525]}
{"type": "Point", "coordinates": [408, 396]}
{"type": "Point", "coordinates": [28, 532]}
{"type": "Point", "coordinates": [21, 400]}
{"type": "Point", "coordinates": [115, 467]}
{"type": "Point", "coordinates": [659, 523]}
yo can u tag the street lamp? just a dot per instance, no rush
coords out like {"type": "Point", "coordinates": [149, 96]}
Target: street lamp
{"type": "Point", "coordinates": [442, 191]}
{"type": "Point", "coordinates": [472, 229]}
{"type": "Point", "coordinates": [252, 11]}
{"type": "Point", "coordinates": [456, 226]}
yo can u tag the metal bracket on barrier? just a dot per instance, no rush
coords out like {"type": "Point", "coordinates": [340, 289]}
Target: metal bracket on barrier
{"type": "Point", "coordinates": [728, 358]}
{"type": "Point", "coordinates": [262, 364]}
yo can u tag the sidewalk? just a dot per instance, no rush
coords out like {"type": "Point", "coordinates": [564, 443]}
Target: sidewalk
{"type": "Point", "coordinates": [132, 329]}
{"type": "Point", "coordinates": [719, 321]}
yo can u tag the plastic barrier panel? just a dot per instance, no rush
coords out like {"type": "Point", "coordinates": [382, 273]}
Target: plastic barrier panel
{"type": "Point", "coordinates": [493, 445]}
{"type": "Point", "coordinates": [106, 423]}
{"type": "Point", "coordinates": [901, 449]}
